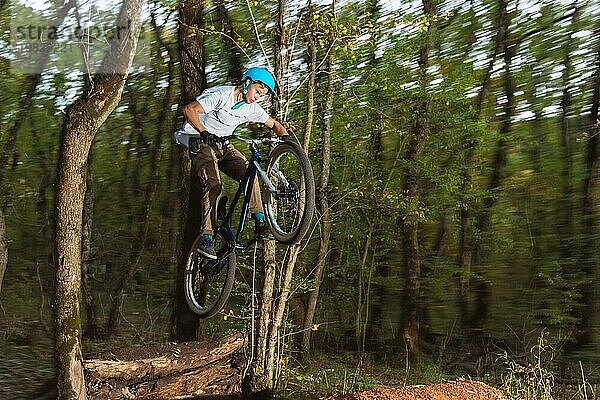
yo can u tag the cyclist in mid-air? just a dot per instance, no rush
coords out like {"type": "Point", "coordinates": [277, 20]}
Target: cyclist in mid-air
{"type": "Point", "coordinates": [210, 122]}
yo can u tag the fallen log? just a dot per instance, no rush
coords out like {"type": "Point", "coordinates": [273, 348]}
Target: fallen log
{"type": "Point", "coordinates": [169, 371]}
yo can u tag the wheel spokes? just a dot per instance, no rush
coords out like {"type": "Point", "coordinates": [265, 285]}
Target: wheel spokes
{"type": "Point", "coordinates": [289, 200]}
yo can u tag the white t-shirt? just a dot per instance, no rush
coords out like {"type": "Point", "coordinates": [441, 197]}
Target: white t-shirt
{"type": "Point", "coordinates": [219, 118]}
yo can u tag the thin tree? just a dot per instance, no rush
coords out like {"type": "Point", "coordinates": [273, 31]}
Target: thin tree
{"type": "Point", "coordinates": [368, 314]}
{"type": "Point", "coordinates": [311, 45]}
{"type": "Point", "coordinates": [484, 218]}
{"type": "Point", "coordinates": [269, 255]}
{"type": "Point", "coordinates": [193, 82]}
{"type": "Point", "coordinates": [3, 247]}
{"type": "Point", "coordinates": [322, 192]}
{"type": "Point", "coordinates": [420, 132]}
{"type": "Point", "coordinates": [589, 249]}
{"type": "Point", "coordinates": [164, 125]}
{"type": "Point", "coordinates": [372, 14]}
{"type": "Point", "coordinates": [565, 221]}
{"type": "Point", "coordinates": [364, 291]}
{"type": "Point", "coordinates": [234, 72]}
{"type": "Point", "coordinates": [289, 267]}
{"type": "Point", "coordinates": [538, 140]}
{"type": "Point", "coordinates": [172, 180]}
{"type": "Point", "coordinates": [465, 253]}
{"type": "Point", "coordinates": [262, 373]}
{"type": "Point", "coordinates": [82, 121]}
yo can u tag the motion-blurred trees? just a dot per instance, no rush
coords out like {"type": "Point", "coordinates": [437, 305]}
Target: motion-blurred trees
{"type": "Point", "coordinates": [457, 181]}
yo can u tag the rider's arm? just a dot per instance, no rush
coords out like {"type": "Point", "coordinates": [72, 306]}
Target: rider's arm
{"type": "Point", "coordinates": [192, 112]}
{"type": "Point", "coordinates": [277, 127]}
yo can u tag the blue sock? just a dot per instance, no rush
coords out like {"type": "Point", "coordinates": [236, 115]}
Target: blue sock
{"type": "Point", "coordinates": [258, 216]}
{"type": "Point", "coordinates": [207, 236]}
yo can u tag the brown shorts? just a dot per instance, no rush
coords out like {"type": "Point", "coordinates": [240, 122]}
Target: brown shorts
{"type": "Point", "coordinates": [233, 163]}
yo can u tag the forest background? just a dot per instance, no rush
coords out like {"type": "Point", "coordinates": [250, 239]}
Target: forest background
{"type": "Point", "coordinates": [455, 147]}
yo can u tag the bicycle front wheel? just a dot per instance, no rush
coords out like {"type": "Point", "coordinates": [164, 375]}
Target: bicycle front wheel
{"type": "Point", "coordinates": [291, 206]}
{"type": "Point", "coordinates": [208, 282]}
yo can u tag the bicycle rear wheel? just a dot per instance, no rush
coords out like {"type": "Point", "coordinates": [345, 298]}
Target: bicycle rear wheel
{"type": "Point", "coordinates": [208, 282]}
{"type": "Point", "coordinates": [290, 209]}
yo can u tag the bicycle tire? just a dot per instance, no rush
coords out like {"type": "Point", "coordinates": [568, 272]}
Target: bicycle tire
{"type": "Point", "coordinates": [208, 283]}
{"type": "Point", "coordinates": [289, 222]}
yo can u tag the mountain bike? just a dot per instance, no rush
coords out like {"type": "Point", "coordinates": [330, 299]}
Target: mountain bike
{"type": "Point", "coordinates": [288, 193]}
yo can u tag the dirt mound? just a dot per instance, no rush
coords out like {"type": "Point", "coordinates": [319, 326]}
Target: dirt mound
{"type": "Point", "coordinates": [459, 390]}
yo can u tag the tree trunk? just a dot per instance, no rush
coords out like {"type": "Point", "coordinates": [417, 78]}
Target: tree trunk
{"type": "Point", "coordinates": [273, 343]}
{"type": "Point", "coordinates": [589, 248]}
{"type": "Point", "coordinates": [193, 82]}
{"type": "Point", "coordinates": [43, 205]}
{"type": "Point", "coordinates": [373, 12]}
{"type": "Point", "coordinates": [410, 223]}
{"type": "Point", "coordinates": [323, 201]}
{"type": "Point", "coordinates": [141, 236]}
{"type": "Point", "coordinates": [257, 380]}
{"type": "Point", "coordinates": [310, 85]}
{"type": "Point", "coordinates": [465, 257]}
{"type": "Point", "coordinates": [124, 201]}
{"type": "Point", "coordinates": [499, 162]}
{"type": "Point", "coordinates": [3, 247]}
{"type": "Point", "coordinates": [167, 123]}
{"type": "Point", "coordinates": [565, 225]}
{"type": "Point", "coordinates": [91, 325]}
{"type": "Point", "coordinates": [261, 376]}
{"type": "Point", "coordinates": [191, 49]}
{"type": "Point", "coordinates": [82, 121]}
{"type": "Point", "coordinates": [234, 72]}
{"type": "Point", "coordinates": [269, 253]}
{"type": "Point", "coordinates": [483, 221]}
{"type": "Point", "coordinates": [363, 304]}
{"type": "Point", "coordinates": [441, 240]}
{"type": "Point", "coordinates": [70, 191]}
{"type": "Point", "coordinates": [537, 223]}
{"type": "Point", "coordinates": [300, 309]}
{"type": "Point", "coordinates": [410, 243]}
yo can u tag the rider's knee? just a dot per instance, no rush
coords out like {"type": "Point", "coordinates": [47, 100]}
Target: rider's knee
{"type": "Point", "coordinates": [214, 186]}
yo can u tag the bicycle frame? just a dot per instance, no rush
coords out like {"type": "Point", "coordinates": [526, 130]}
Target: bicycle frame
{"type": "Point", "coordinates": [245, 189]}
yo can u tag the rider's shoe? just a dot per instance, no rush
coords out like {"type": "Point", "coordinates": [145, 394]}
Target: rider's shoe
{"type": "Point", "coordinates": [261, 228]}
{"type": "Point", "coordinates": [207, 247]}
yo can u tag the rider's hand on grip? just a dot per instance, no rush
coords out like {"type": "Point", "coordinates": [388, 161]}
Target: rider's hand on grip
{"type": "Point", "coordinates": [205, 138]}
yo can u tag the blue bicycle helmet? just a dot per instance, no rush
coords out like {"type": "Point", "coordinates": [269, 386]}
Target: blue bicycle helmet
{"type": "Point", "coordinates": [258, 74]}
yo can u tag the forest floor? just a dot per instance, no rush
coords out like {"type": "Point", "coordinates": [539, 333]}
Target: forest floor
{"type": "Point", "coordinates": [457, 390]}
